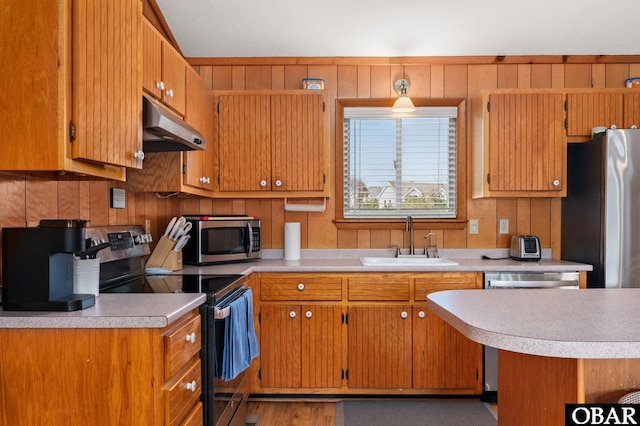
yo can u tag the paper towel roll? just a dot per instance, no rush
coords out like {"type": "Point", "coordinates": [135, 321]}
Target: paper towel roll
{"type": "Point", "coordinates": [292, 241]}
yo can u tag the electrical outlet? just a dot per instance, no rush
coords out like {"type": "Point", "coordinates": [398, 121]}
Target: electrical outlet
{"type": "Point", "coordinates": [473, 226]}
{"type": "Point", "coordinates": [504, 226]}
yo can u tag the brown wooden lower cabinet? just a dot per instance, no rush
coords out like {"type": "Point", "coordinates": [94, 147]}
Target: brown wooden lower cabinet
{"type": "Point", "coordinates": [534, 389]}
{"type": "Point", "coordinates": [300, 346]}
{"type": "Point", "coordinates": [98, 376]}
{"type": "Point", "coordinates": [366, 334]}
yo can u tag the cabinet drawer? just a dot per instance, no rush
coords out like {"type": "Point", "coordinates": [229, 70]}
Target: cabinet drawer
{"type": "Point", "coordinates": [181, 344]}
{"type": "Point", "coordinates": [301, 288]}
{"type": "Point", "coordinates": [381, 288]}
{"type": "Point", "coordinates": [194, 418]}
{"type": "Point", "coordinates": [429, 283]}
{"type": "Point", "coordinates": [183, 392]}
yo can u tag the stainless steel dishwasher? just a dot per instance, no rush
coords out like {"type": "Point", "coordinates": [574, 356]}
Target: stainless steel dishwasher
{"type": "Point", "coordinates": [515, 281]}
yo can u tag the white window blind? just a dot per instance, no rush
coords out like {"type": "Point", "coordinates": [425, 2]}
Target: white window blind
{"type": "Point", "coordinates": [396, 166]}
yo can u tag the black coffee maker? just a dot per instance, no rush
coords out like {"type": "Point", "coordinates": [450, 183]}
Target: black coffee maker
{"type": "Point", "coordinates": [37, 267]}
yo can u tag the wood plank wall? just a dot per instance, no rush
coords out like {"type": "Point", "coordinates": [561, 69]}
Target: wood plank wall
{"type": "Point", "coordinates": [26, 200]}
{"type": "Point", "coordinates": [373, 78]}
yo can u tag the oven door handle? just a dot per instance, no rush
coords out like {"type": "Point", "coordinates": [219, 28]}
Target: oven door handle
{"type": "Point", "coordinates": [250, 236]}
{"type": "Point", "coordinates": [221, 313]}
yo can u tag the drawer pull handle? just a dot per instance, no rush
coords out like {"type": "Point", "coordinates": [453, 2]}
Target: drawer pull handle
{"type": "Point", "coordinates": [191, 338]}
{"type": "Point", "coordinates": [308, 314]}
{"type": "Point", "coordinates": [192, 386]}
{"type": "Point", "coordinates": [292, 314]}
{"type": "Point", "coordinates": [421, 314]}
{"type": "Point", "coordinates": [300, 286]}
{"type": "Point", "coordinates": [404, 314]}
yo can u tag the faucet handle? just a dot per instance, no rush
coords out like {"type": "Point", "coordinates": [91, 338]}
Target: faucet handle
{"type": "Point", "coordinates": [397, 247]}
{"type": "Point", "coordinates": [431, 249]}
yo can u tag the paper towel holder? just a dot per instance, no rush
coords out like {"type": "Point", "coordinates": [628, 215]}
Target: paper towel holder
{"type": "Point", "coordinates": [318, 208]}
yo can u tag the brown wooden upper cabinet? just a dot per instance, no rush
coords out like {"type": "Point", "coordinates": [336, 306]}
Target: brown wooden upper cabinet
{"type": "Point", "coordinates": [273, 142]}
{"type": "Point", "coordinates": [593, 109]}
{"type": "Point", "coordinates": [164, 69]}
{"type": "Point", "coordinates": [589, 108]}
{"type": "Point", "coordinates": [199, 165]}
{"type": "Point", "coordinates": [74, 104]}
{"type": "Point", "coordinates": [519, 144]}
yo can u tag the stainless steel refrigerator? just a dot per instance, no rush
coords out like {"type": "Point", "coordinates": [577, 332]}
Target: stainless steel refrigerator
{"type": "Point", "coordinates": [601, 213]}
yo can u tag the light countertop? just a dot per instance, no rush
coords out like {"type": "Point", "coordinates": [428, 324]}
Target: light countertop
{"type": "Point", "coordinates": [111, 311]}
{"type": "Point", "coordinates": [589, 323]}
{"type": "Point", "coordinates": [348, 260]}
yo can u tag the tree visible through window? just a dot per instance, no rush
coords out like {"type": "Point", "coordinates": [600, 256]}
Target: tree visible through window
{"type": "Point", "coordinates": [396, 166]}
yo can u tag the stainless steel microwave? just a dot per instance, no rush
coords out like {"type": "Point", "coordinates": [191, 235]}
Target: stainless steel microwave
{"type": "Point", "coordinates": [221, 239]}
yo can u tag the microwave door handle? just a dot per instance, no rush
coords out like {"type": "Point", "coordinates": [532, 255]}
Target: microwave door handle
{"type": "Point", "coordinates": [250, 236]}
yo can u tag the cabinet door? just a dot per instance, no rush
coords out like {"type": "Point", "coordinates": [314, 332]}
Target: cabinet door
{"type": "Point", "coordinates": [151, 60]}
{"type": "Point", "coordinates": [300, 346]}
{"type": "Point", "coordinates": [194, 115]}
{"type": "Point", "coordinates": [527, 149]}
{"type": "Point", "coordinates": [588, 110]}
{"type": "Point", "coordinates": [442, 357]}
{"type": "Point", "coordinates": [244, 136]}
{"type": "Point", "coordinates": [107, 76]}
{"type": "Point", "coordinates": [321, 349]}
{"type": "Point", "coordinates": [631, 110]}
{"type": "Point", "coordinates": [380, 343]}
{"type": "Point", "coordinates": [174, 77]}
{"type": "Point", "coordinates": [297, 136]}
{"type": "Point", "coordinates": [280, 345]}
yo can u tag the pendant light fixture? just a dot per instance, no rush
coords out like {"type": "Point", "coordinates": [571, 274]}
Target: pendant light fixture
{"type": "Point", "coordinates": [403, 103]}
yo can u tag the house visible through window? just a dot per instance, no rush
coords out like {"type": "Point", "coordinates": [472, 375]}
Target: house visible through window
{"type": "Point", "coordinates": [395, 166]}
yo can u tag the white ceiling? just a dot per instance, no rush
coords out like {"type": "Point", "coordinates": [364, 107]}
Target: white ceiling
{"type": "Point", "coordinates": [248, 28]}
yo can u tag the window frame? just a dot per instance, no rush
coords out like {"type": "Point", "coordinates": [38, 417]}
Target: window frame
{"type": "Point", "coordinates": [459, 222]}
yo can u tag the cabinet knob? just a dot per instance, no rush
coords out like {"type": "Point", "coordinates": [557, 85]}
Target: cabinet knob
{"type": "Point", "coordinates": [421, 314]}
{"type": "Point", "coordinates": [292, 314]}
{"type": "Point", "coordinates": [205, 179]}
{"type": "Point", "coordinates": [160, 85]}
{"type": "Point", "coordinates": [192, 386]}
{"type": "Point", "coordinates": [139, 155]}
{"type": "Point", "coordinates": [556, 182]}
{"type": "Point", "coordinates": [278, 182]}
{"type": "Point", "coordinates": [263, 183]}
{"type": "Point", "coordinates": [404, 314]}
{"type": "Point", "coordinates": [300, 286]}
{"type": "Point", "coordinates": [308, 314]}
{"type": "Point", "coordinates": [169, 93]}
{"type": "Point", "coordinates": [191, 338]}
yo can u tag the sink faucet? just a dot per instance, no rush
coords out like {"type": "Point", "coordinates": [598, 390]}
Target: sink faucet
{"type": "Point", "coordinates": [431, 249]}
{"type": "Point", "coordinates": [408, 227]}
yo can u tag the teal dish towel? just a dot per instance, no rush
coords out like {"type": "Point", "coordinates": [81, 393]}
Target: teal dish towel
{"type": "Point", "coordinates": [241, 342]}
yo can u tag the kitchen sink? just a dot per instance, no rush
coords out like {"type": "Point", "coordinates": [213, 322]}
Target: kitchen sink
{"type": "Point", "coordinates": [407, 260]}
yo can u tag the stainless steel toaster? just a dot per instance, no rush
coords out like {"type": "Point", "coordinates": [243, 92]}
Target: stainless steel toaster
{"type": "Point", "coordinates": [525, 247]}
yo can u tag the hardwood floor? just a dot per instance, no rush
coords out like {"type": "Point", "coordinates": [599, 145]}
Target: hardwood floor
{"type": "Point", "coordinates": [294, 413]}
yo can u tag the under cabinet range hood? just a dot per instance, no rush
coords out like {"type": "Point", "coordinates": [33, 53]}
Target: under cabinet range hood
{"type": "Point", "coordinates": [164, 131]}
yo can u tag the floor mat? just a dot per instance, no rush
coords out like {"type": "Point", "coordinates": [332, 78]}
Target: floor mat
{"type": "Point", "coordinates": [418, 413]}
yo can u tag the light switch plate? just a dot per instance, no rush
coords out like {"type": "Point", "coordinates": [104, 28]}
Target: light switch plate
{"type": "Point", "coordinates": [118, 198]}
{"type": "Point", "coordinates": [473, 226]}
{"type": "Point", "coordinates": [504, 226]}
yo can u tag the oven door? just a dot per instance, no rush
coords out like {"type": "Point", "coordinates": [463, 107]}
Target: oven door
{"type": "Point", "coordinates": [230, 396]}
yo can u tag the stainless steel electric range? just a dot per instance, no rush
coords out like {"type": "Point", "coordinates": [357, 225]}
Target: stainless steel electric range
{"type": "Point", "coordinates": [122, 271]}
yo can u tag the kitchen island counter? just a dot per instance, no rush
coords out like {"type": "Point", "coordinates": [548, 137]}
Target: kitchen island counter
{"type": "Point", "coordinates": [148, 310]}
{"type": "Point", "coordinates": [554, 347]}
{"type": "Point", "coordinates": [592, 323]}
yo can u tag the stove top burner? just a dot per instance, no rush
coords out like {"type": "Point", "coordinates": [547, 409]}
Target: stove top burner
{"type": "Point", "coordinates": [211, 284]}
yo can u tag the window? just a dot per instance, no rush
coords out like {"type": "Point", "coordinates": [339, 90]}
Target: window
{"type": "Point", "coordinates": [395, 166]}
